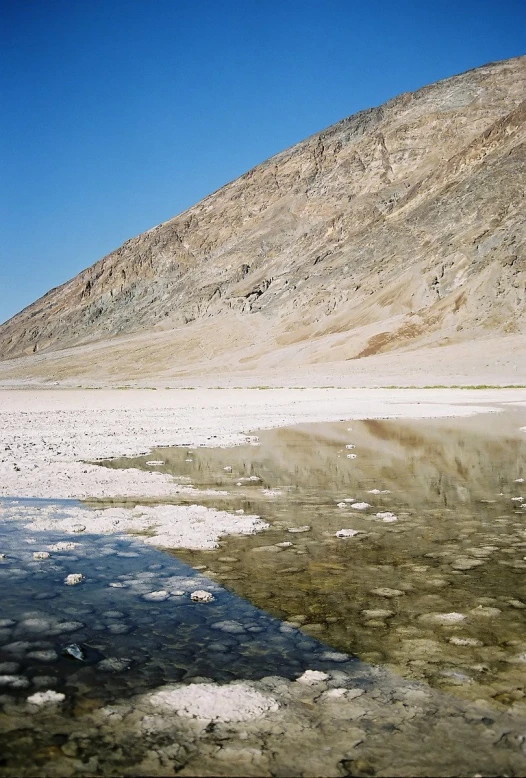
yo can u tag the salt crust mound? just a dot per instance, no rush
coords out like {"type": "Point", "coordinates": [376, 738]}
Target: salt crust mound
{"type": "Point", "coordinates": [213, 702]}
{"type": "Point", "coordinates": [174, 526]}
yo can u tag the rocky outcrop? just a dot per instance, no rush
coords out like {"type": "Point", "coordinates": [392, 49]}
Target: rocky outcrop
{"type": "Point", "coordinates": [399, 227]}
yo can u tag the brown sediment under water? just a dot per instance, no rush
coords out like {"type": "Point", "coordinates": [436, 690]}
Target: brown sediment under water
{"type": "Point", "coordinates": [433, 582]}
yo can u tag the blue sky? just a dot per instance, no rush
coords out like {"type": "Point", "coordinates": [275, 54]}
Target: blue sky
{"type": "Point", "coordinates": [119, 114]}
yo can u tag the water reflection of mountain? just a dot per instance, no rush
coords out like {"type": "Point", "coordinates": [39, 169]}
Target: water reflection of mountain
{"type": "Point", "coordinates": [438, 462]}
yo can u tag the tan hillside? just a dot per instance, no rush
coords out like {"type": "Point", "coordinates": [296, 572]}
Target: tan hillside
{"type": "Point", "coordinates": [399, 229]}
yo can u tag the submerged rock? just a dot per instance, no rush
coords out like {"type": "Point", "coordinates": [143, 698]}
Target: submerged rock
{"type": "Point", "coordinates": [46, 698]}
{"type": "Point", "coordinates": [74, 651]}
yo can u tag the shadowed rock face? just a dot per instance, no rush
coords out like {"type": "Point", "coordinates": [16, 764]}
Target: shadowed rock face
{"type": "Point", "coordinates": [397, 228]}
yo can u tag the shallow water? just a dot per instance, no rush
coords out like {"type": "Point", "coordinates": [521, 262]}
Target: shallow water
{"type": "Point", "coordinates": [135, 642]}
{"type": "Point", "coordinates": [438, 593]}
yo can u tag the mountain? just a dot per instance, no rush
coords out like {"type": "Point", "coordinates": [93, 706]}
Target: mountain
{"type": "Point", "coordinates": [399, 229]}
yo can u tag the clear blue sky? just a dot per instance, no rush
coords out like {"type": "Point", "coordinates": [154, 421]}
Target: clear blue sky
{"type": "Point", "coordinates": [118, 114]}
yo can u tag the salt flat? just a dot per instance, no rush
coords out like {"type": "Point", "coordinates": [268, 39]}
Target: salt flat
{"type": "Point", "coordinates": [48, 434]}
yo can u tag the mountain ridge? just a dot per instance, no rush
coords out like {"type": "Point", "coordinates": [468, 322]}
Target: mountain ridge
{"type": "Point", "coordinates": [400, 227]}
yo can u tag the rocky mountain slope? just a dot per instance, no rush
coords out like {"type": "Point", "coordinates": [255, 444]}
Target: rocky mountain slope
{"type": "Point", "coordinates": [399, 228]}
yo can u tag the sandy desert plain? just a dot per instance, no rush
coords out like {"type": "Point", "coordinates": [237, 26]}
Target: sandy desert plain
{"type": "Point", "coordinates": [175, 686]}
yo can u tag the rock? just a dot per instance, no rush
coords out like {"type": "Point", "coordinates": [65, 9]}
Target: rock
{"type": "Point", "coordinates": [459, 641]}
{"type": "Point", "coordinates": [74, 651]}
{"type": "Point", "coordinates": [463, 563]}
{"type": "Point", "coordinates": [305, 528]}
{"type": "Point", "coordinates": [43, 656]}
{"type": "Point", "coordinates": [14, 681]}
{"type": "Point", "coordinates": [347, 533]}
{"type": "Point", "coordinates": [114, 665]}
{"type": "Point", "coordinates": [73, 579]}
{"type": "Point", "coordinates": [386, 592]}
{"type": "Point", "coordinates": [200, 595]}
{"type": "Point", "coordinates": [377, 613]}
{"type": "Point", "coordinates": [360, 506]}
{"type": "Point", "coordinates": [334, 656]}
{"type": "Point", "coordinates": [234, 627]}
{"type": "Point", "coordinates": [41, 555]}
{"type": "Point", "coordinates": [442, 618]}
{"type": "Point", "coordinates": [485, 612]}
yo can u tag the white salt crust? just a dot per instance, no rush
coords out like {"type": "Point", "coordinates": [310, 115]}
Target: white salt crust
{"type": "Point", "coordinates": [214, 702]}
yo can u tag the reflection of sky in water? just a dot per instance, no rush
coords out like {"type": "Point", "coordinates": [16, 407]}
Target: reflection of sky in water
{"type": "Point", "coordinates": [135, 644]}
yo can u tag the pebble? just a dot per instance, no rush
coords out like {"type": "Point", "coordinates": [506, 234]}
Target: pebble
{"type": "Point", "coordinates": [360, 506]}
{"type": "Point", "coordinates": [41, 555]}
{"type": "Point", "coordinates": [347, 533]}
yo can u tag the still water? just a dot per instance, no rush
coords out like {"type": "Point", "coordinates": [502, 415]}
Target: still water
{"type": "Point", "coordinates": [392, 544]}
{"type": "Point", "coordinates": [433, 584]}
